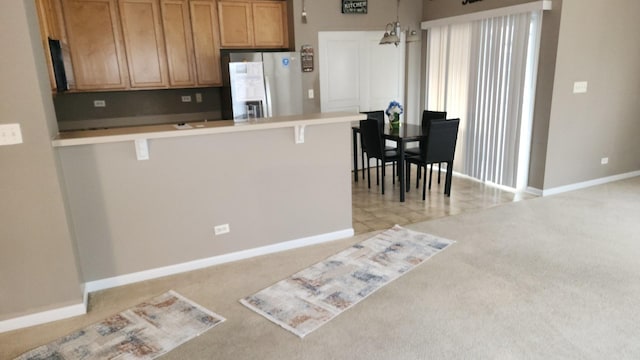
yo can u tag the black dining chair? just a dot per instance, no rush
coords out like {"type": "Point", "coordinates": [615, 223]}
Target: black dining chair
{"type": "Point", "coordinates": [377, 115]}
{"type": "Point", "coordinates": [373, 141]}
{"type": "Point", "coordinates": [427, 116]}
{"type": "Point", "coordinates": [439, 147]}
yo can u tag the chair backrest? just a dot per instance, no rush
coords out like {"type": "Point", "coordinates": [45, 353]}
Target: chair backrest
{"type": "Point", "coordinates": [441, 141]}
{"type": "Point", "coordinates": [376, 115]}
{"type": "Point", "coordinates": [372, 138]}
{"type": "Point", "coordinates": [428, 115]}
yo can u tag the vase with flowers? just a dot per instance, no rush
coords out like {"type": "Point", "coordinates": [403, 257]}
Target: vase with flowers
{"type": "Point", "coordinates": [394, 110]}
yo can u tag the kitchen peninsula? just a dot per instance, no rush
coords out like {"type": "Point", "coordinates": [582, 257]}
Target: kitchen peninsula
{"type": "Point", "coordinates": [275, 184]}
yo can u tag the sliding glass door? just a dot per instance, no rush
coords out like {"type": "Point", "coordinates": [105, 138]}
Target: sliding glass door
{"type": "Point", "coordinates": [483, 72]}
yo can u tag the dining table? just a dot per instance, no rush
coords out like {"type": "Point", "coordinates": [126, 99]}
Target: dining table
{"type": "Point", "coordinates": [404, 134]}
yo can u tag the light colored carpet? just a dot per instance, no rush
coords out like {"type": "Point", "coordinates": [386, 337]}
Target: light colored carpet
{"type": "Point", "coordinates": [308, 299]}
{"type": "Point", "coordinates": [143, 332]}
{"type": "Point", "coordinates": [548, 278]}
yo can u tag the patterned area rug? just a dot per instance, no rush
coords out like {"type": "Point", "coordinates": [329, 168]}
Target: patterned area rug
{"type": "Point", "coordinates": [145, 331]}
{"type": "Point", "coordinates": [307, 300]}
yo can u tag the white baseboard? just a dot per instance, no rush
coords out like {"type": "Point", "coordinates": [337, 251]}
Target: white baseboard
{"type": "Point", "coordinates": [115, 281]}
{"type": "Point", "coordinates": [586, 184]}
{"type": "Point", "coordinates": [91, 286]}
{"type": "Point", "coordinates": [43, 317]}
{"type": "Point", "coordinates": [560, 189]}
{"type": "Point", "coordinates": [533, 191]}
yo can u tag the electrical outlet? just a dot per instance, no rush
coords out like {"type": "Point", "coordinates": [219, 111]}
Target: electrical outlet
{"type": "Point", "coordinates": [186, 98]}
{"type": "Point", "coordinates": [99, 103]}
{"type": "Point", "coordinates": [10, 134]}
{"type": "Point", "coordinates": [604, 161]}
{"type": "Point", "coordinates": [310, 94]}
{"type": "Point", "coordinates": [580, 87]}
{"type": "Point", "coordinates": [198, 97]}
{"type": "Point", "coordinates": [221, 229]}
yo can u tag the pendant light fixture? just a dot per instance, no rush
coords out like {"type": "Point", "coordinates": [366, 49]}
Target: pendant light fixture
{"type": "Point", "coordinates": [304, 13]}
{"type": "Point", "coordinates": [392, 30]}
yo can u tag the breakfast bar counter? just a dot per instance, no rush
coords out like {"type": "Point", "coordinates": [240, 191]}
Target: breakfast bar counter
{"type": "Point", "coordinates": [206, 193]}
{"type": "Point", "coordinates": [84, 137]}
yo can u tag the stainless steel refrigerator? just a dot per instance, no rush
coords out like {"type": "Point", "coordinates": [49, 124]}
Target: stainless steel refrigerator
{"type": "Point", "coordinates": [261, 84]}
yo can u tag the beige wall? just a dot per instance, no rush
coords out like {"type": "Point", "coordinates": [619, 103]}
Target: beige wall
{"type": "Point", "coordinates": [38, 268]}
{"type": "Point", "coordinates": [544, 93]}
{"type": "Point", "coordinates": [598, 44]}
{"type": "Point", "coordinates": [327, 16]}
{"type": "Point", "coordinates": [134, 215]}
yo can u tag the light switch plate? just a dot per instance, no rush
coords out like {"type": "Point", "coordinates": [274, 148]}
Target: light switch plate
{"type": "Point", "coordinates": [142, 149]}
{"type": "Point", "coordinates": [10, 134]}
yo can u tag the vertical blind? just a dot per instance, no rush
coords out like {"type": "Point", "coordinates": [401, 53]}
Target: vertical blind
{"type": "Point", "coordinates": [482, 72]}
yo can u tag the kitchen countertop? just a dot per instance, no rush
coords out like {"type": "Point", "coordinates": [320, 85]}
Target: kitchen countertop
{"type": "Point", "coordinates": [101, 136]}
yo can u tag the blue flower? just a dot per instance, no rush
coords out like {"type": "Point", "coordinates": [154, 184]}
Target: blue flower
{"type": "Point", "coordinates": [394, 108]}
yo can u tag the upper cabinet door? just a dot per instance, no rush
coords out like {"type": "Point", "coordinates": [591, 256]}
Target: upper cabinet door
{"type": "Point", "coordinates": [270, 22]}
{"type": "Point", "coordinates": [96, 44]}
{"type": "Point", "coordinates": [50, 16]}
{"type": "Point", "coordinates": [236, 24]}
{"type": "Point", "coordinates": [206, 41]}
{"type": "Point", "coordinates": [50, 27]}
{"type": "Point", "coordinates": [253, 24]}
{"type": "Point", "coordinates": [178, 42]}
{"type": "Point", "coordinates": [144, 42]}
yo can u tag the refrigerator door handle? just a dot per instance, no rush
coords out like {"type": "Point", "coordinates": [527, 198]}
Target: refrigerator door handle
{"type": "Point", "coordinates": [267, 86]}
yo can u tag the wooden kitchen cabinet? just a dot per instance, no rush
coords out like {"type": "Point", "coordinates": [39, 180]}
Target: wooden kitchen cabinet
{"type": "Point", "coordinates": [52, 26]}
{"type": "Point", "coordinates": [51, 21]}
{"type": "Point", "coordinates": [253, 24]}
{"type": "Point", "coordinates": [178, 42]}
{"type": "Point", "coordinates": [96, 44]}
{"type": "Point", "coordinates": [206, 41]}
{"type": "Point", "coordinates": [192, 42]}
{"type": "Point", "coordinates": [141, 44]}
{"type": "Point", "coordinates": [270, 24]}
{"type": "Point", "coordinates": [236, 24]}
{"type": "Point", "coordinates": [144, 43]}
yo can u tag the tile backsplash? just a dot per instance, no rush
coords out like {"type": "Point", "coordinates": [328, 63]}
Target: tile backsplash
{"type": "Point", "coordinates": [121, 108]}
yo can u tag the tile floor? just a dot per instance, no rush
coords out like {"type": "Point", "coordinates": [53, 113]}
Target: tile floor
{"type": "Point", "coordinates": [374, 211]}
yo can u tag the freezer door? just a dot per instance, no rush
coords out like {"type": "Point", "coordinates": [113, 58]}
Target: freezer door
{"type": "Point", "coordinates": [247, 90]}
{"type": "Point", "coordinates": [283, 83]}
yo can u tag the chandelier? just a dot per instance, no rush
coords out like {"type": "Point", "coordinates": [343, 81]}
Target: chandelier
{"type": "Point", "coordinates": [392, 31]}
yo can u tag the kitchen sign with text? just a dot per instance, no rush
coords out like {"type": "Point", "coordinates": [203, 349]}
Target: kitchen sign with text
{"type": "Point", "coordinates": [354, 6]}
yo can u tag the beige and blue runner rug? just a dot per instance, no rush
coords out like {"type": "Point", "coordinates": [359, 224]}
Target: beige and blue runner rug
{"type": "Point", "coordinates": [145, 331]}
{"type": "Point", "coordinates": [310, 298]}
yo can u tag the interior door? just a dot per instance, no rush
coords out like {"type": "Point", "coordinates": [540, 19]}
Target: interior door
{"type": "Point", "coordinates": [385, 73]}
{"type": "Point", "coordinates": [356, 73]}
{"type": "Point", "coordinates": [340, 61]}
